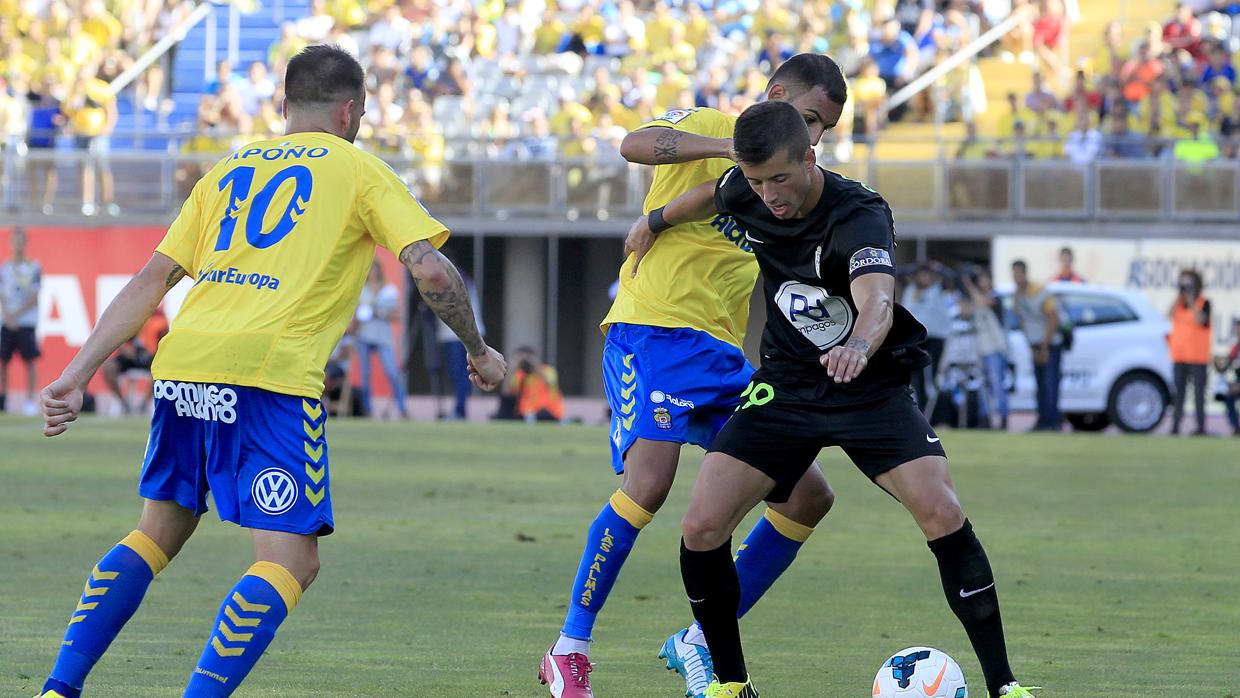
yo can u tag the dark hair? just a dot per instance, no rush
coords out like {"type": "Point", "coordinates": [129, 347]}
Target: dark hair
{"type": "Point", "coordinates": [805, 71]}
{"type": "Point", "coordinates": [1020, 263]}
{"type": "Point", "coordinates": [323, 73]}
{"type": "Point", "coordinates": [1067, 251]}
{"type": "Point", "coordinates": [767, 128]}
{"type": "Point", "coordinates": [1195, 276]}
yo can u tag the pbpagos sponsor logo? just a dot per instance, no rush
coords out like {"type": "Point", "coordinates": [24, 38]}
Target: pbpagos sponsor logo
{"type": "Point", "coordinates": [207, 402]}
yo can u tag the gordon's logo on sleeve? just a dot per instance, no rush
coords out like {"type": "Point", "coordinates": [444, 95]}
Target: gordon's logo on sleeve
{"type": "Point", "coordinates": [869, 257]}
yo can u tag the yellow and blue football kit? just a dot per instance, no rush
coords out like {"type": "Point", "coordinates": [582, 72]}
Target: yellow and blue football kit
{"type": "Point", "coordinates": [278, 239]}
{"type": "Point", "coordinates": [673, 369]}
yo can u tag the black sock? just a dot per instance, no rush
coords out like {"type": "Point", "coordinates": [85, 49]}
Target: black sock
{"type": "Point", "coordinates": [970, 589]}
{"type": "Point", "coordinates": [715, 595]}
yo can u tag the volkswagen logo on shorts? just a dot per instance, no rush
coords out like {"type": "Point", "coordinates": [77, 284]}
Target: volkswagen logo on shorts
{"type": "Point", "coordinates": [274, 491]}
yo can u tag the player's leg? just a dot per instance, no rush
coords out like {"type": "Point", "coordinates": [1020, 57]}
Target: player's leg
{"type": "Point", "coordinates": [725, 491]}
{"type": "Point", "coordinates": [268, 470]}
{"type": "Point", "coordinates": [924, 487]}
{"type": "Point", "coordinates": [114, 590]}
{"type": "Point", "coordinates": [253, 610]}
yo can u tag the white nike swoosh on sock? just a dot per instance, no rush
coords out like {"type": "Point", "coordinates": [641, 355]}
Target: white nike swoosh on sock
{"type": "Point", "coordinates": [966, 594]}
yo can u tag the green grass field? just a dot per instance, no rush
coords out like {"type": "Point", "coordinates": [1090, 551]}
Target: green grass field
{"type": "Point", "coordinates": [1118, 560]}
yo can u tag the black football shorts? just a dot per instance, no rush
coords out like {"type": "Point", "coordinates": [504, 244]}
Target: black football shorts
{"type": "Point", "coordinates": [781, 426]}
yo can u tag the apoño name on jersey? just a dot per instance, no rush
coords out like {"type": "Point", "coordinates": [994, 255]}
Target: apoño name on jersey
{"type": "Point", "coordinates": [869, 257]}
{"type": "Point", "coordinates": [820, 317]}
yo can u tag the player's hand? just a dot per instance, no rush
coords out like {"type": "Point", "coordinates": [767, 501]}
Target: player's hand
{"type": "Point", "coordinates": [638, 242]}
{"type": "Point", "coordinates": [844, 363]}
{"type": "Point", "coordinates": [487, 370]}
{"type": "Point", "coordinates": [62, 400]}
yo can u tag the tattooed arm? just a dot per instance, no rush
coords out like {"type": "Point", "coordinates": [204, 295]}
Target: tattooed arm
{"type": "Point", "coordinates": [62, 398]}
{"type": "Point", "coordinates": [658, 145]}
{"type": "Point", "coordinates": [444, 291]}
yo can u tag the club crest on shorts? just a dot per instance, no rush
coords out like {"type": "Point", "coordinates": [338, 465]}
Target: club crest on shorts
{"type": "Point", "coordinates": [662, 418]}
{"type": "Point", "coordinates": [274, 491]}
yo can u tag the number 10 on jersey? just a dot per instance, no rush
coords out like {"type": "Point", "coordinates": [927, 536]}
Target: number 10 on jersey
{"type": "Point", "coordinates": [241, 180]}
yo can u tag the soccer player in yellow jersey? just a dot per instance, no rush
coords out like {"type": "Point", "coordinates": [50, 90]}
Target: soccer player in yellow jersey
{"type": "Point", "coordinates": [674, 371]}
{"type": "Point", "coordinates": [277, 238]}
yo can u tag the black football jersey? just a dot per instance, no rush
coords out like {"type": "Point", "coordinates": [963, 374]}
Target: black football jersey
{"type": "Point", "coordinates": [807, 267]}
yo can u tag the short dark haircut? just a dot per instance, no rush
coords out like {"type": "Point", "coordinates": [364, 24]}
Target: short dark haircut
{"type": "Point", "coordinates": [805, 71]}
{"type": "Point", "coordinates": [1067, 251]}
{"type": "Point", "coordinates": [323, 73]}
{"type": "Point", "coordinates": [1020, 263]}
{"type": "Point", "coordinates": [768, 128]}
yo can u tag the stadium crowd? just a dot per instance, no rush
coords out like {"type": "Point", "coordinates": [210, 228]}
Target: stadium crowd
{"type": "Point", "coordinates": [538, 79]}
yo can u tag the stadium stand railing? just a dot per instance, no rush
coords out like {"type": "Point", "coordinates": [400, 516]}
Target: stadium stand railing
{"type": "Point", "coordinates": [153, 184]}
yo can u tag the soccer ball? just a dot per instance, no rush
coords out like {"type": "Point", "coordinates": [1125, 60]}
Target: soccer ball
{"type": "Point", "coordinates": [920, 672]}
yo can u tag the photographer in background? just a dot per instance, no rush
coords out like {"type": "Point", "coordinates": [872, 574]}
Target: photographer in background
{"type": "Point", "coordinates": [933, 307]}
{"type": "Point", "coordinates": [991, 340]}
{"type": "Point", "coordinates": [1190, 347]}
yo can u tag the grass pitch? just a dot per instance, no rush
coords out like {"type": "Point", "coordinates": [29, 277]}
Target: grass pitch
{"type": "Point", "coordinates": [1116, 559]}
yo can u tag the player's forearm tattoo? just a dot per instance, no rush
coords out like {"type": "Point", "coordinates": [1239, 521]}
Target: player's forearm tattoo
{"type": "Point", "coordinates": [174, 276]}
{"type": "Point", "coordinates": [859, 344]}
{"type": "Point", "coordinates": [444, 291]}
{"type": "Point", "coordinates": [666, 148]}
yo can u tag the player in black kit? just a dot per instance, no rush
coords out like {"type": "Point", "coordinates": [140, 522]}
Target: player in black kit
{"type": "Point", "coordinates": [837, 356]}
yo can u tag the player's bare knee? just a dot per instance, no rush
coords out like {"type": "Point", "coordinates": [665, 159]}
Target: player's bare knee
{"type": "Point", "coordinates": [701, 533]}
{"type": "Point", "coordinates": [308, 571]}
{"type": "Point", "coordinates": [942, 517]}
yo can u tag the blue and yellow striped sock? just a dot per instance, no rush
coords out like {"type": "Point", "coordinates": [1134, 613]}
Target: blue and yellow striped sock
{"type": "Point", "coordinates": [245, 626]}
{"type": "Point", "coordinates": [113, 592]}
{"type": "Point", "coordinates": [767, 552]}
{"type": "Point", "coordinates": [608, 543]}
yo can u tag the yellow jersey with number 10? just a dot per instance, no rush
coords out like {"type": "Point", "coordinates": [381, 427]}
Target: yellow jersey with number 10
{"type": "Point", "coordinates": [278, 239]}
{"type": "Point", "coordinates": [698, 275]}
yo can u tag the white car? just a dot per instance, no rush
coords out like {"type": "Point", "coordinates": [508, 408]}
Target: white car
{"type": "Point", "coordinates": [1118, 370]}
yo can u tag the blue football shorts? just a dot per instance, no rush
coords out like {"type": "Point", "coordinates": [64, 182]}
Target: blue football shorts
{"type": "Point", "coordinates": [261, 455]}
{"type": "Point", "coordinates": [669, 384]}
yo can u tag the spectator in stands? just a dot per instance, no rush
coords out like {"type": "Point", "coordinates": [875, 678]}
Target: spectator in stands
{"type": "Point", "coordinates": [497, 127]}
{"type": "Point", "coordinates": [1141, 71]}
{"type": "Point", "coordinates": [1037, 314]}
{"type": "Point", "coordinates": [1198, 144]}
{"type": "Point", "coordinates": [1219, 67]}
{"type": "Point", "coordinates": [97, 22]}
{"type": "Point", "coordinates": [46, 120]}
{"type": "Point", "coordinates": [422, 72]}
{"type": "Point", "coordinates": [1018, 42]}
{"type": "Point", "coordinates": [378, 307]}
{"type": "Point", "coordinates": [316, 27]}
{"type": "Point", "coordinates": [869, 91]}
{"type": "Point", "coordinates": [1084, 143]}
{"type": "Point", "coordinates": [256, 89]}
{"type": "Point", "coordinates": [932, 305]}
{"type": "Point", "coordinates": [1067, 271]}
{"type": "Point", "coordinates": [1113, 52]}
{"type": "Point", "coordinates": [224, 77]}
{"type": "Point", "coordinates": [1082, 94]}
{"type": "Point", "coordinates": [1121, 141]}
{"type": "Point", "coordinates": [340, 36]}
{"type": "Point", "coordinates": [538, 145]}
{"type": "Point", "coordinates": [896, 54]}
{"type": "Point", "coordinates": [1190, 340]}
{"type": "Point", "coordinates": [20, 280]}
{"type": "Point", "coordinates": [453, 80]}
{"type": "Point", "coordinates": [1050, 39]}
{"type": "Point", "coordinates": [391, 31]}
{"type": "Point", "coordinates": [157, 80]}
{"type": "Point", "coordinates": [424, 141]}
{"type": "Point", "coordinates": [1229, 129]}
{"type": "Point", "coordinates": [284, 48]}
{"type": "Point", "coordinates": [774, 52]}
{"type": "Point", "coordinates": [92, 118]}
{"type": "Point", "coordinates": [1183, 32]}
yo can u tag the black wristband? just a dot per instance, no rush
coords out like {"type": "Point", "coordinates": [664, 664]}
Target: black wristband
{"type": "Point", "coordinates": [655, 219]}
